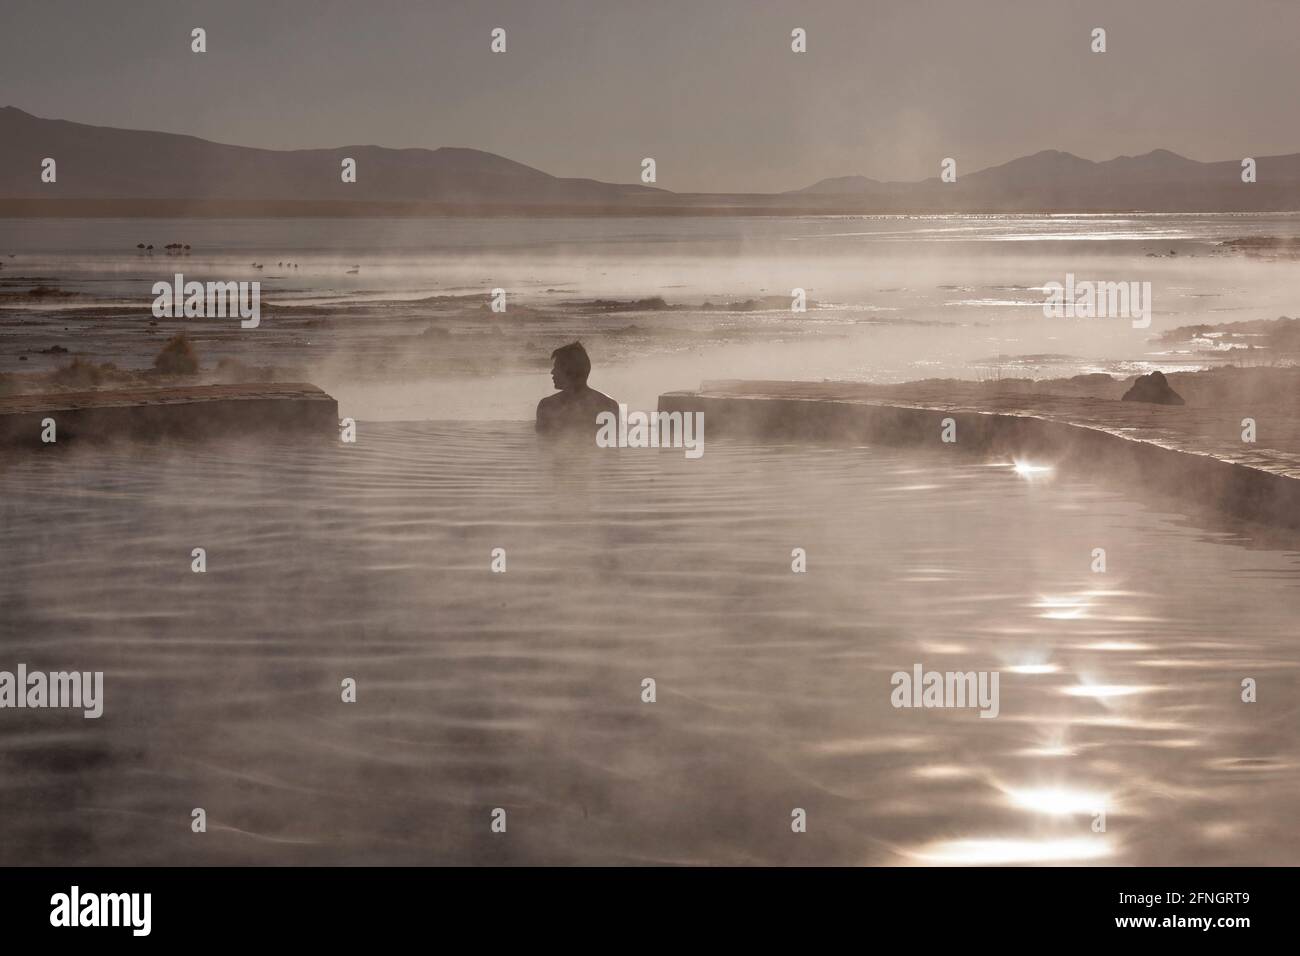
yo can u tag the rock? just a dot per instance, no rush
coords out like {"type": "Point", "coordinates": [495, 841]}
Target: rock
{"type": "Point", "coordinates": [1153, 388]}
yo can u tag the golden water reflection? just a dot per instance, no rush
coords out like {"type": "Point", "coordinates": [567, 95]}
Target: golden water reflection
{"type": "Point", "coordinates": [985, 852]}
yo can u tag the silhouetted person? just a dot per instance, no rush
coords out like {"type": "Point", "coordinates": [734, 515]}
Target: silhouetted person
{"type": "Point", "coordinates": [573, 409]}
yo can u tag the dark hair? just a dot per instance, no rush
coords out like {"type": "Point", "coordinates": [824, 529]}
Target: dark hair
{"type": "Point", "coordinates": [573, 358]}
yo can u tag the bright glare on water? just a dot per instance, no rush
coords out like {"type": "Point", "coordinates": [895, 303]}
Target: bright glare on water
{"type": "Point", "coordinates": [1120, 692]}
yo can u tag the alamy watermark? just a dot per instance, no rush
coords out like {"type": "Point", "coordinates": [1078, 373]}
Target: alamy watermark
{"type": "Point", "coordinates": [216, 300]}
{"type": "Point", "coordinates": [57, 689]}
{"type": "Point", "coordinates": [76, 908]}
{"type": "Point", "coordinates": [651, 430]}
{"type": "Point", "coordinates": [1102, 300]}
{"type": "Point", "coordinates": [922, 688]}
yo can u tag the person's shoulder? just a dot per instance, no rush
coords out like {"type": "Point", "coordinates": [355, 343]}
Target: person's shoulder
{"type": "Point", "coordinates": [604, 401]}
{"type": "Point", "coordinates": [546, 412]}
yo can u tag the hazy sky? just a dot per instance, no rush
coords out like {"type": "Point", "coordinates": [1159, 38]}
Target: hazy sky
{"type": "Point", "coordinates": [709, 88]}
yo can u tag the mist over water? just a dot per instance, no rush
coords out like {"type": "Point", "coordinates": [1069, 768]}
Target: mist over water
{"type": "Point", "coordinates": [1119, 691]}
{"type": "Point", "coordinates": [891, 298]}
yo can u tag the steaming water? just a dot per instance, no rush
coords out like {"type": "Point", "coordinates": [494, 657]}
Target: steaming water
{"type": "Point", "coordinates": [1118, 691]}
{"type": "Point", "coordinates": [892, 298]}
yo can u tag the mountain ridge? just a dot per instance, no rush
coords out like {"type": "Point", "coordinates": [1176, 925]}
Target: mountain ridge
{"type": "Point", "coordinates": [166, 172]}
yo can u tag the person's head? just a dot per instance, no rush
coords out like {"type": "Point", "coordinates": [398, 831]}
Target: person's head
{"type": "Point", "coordinates": [570, 366]}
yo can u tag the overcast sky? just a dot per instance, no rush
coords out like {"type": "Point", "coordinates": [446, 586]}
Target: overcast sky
{"type": "Point", "coordinates": [709, 88]}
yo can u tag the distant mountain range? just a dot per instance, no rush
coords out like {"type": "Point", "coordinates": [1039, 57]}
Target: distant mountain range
{"type": "Point", "coordinates": [1158, 181]}
{"type": "Point", "coordinates": [98, 162]}
{"type": "Point", "coordinates": [107, 171]}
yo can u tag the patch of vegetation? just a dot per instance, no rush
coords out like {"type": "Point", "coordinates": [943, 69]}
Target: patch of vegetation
{"type": "Point", "coordinates": [82, 374]}
{"type": "Point", "coordinates": [177, 357]}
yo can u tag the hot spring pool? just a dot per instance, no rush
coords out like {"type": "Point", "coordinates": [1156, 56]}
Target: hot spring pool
{"type": "Point", "coordinates": [1120, 691]}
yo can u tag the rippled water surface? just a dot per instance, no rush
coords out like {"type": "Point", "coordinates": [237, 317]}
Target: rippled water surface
{"type": "Point", "coordinates": [1119, 692]}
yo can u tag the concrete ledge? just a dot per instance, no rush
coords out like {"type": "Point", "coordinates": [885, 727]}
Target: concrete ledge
{"type": "Point", "coordinates": [192, 412]}
{"type": "Point", "coordinates": [1267, 495]}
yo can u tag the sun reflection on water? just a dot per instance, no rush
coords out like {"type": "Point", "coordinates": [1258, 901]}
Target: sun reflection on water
{"type": "Point", "coordinates": [1057, 801]}
{"type": "Point", "coordinates": [1105, 691]}
{"type": "Point", "coordinates": [1030, 471]}
{"type": "Point", "coordinates": [977, 852]}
